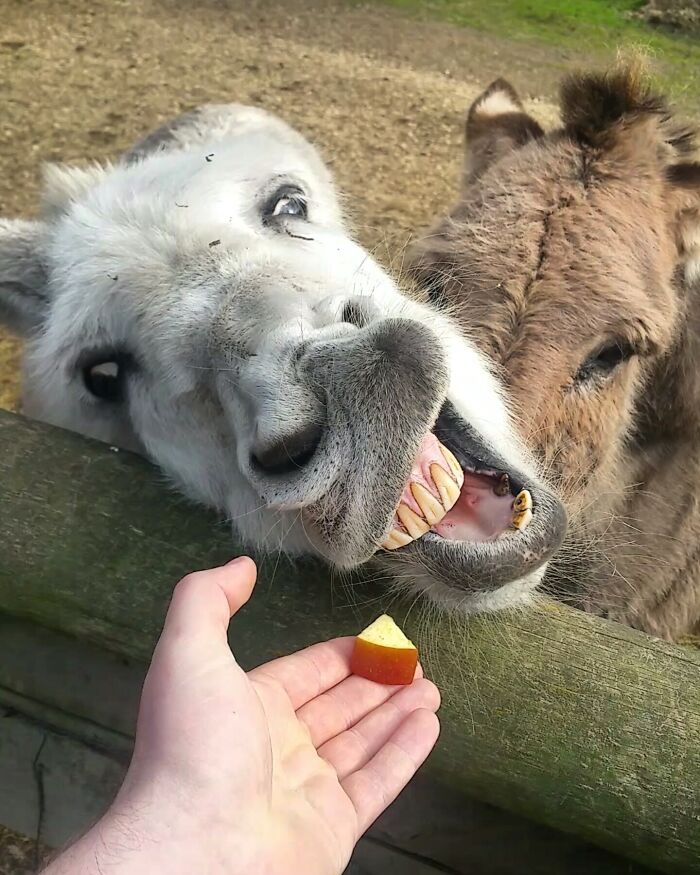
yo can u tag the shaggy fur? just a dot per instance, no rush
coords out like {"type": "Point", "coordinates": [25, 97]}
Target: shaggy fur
{"type": "Point", "coordinates": [261, 358]}
{"type": "Point", "coordinates": [573, 261]}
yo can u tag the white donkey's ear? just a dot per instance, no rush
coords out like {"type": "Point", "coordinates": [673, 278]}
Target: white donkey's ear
{"type": "Point", "coordinates": [64, 184]}
{"type": "Point", "coordinates": [23, 283]}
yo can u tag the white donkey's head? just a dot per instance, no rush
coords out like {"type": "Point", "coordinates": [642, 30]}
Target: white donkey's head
{"type": "Point", "coordinates": [201, 302]}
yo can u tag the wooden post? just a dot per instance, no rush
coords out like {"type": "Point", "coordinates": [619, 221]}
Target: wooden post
{"type": "Point", "coordinates": [581, 724]}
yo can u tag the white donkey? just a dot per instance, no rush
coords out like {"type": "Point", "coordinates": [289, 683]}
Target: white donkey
{"type": "Point", "coordinates": [201, 302]}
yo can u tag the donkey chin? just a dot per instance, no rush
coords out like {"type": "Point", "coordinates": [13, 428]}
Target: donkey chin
{"type": "Point", "coordinates": [202, 302]}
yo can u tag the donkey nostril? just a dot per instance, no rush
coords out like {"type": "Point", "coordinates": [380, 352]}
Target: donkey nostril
{"type": "Point", "coordinates": [290, 453]}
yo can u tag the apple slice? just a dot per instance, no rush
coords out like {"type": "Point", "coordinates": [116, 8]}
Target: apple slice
{"type": "Point", "coordinates": [384, 654]}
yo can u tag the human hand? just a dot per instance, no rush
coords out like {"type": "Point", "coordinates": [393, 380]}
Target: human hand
{"type": "Point", "coordinates": [275, 771]}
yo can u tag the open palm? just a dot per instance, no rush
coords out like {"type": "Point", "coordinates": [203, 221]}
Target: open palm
{"type": "Point", "coordinates": [275, 771]}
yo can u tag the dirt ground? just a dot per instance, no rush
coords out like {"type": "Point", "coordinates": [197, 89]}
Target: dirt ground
{"type": "Point", "coordinates": [383, 95]}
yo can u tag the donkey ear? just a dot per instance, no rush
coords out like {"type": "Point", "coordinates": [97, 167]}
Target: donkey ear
{"type": "Point", "coordinates": [686, 180]}
{"type": "Point", "coordinates": [23, 284]}
{"type": "Point", "coordinates": [64, 184]}
{"type": "Point", "coordinates": [601, 109]}
{"type": "Point", "coordinates": [496, 124]}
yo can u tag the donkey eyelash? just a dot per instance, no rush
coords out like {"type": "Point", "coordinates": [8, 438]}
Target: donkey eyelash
{"type": "Point", "coordinates": [603, 362]}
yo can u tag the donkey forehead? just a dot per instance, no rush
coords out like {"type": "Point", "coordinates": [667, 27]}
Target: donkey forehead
{"type": "Point", "coordinates": [181, 192]}
{"type": "Point", "coordinates": [154, 225]}
{"type": "Point", "coordinates": [543, 234]}
{"type": "Point", "coordinates": [551, 211]}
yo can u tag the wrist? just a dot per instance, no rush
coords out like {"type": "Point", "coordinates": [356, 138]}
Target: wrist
{"type": "Point", "coordinates": [98, 848]}
{"type": "Point", "coordinates": [127, 840]}
{"type": "Point", "coordinates": [122, 844]}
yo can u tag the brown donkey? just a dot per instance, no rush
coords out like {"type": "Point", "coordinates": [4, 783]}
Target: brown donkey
{"type": "Point", "coordinates": [572, 258]}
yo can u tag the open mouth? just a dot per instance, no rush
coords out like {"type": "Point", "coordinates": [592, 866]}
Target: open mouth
{"type": "Point", "coordinates": [463, 500]}
{"type": "Point", "coordinates": [467, 519]}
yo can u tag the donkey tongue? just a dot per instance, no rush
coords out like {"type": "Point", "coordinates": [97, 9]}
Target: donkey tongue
{"type": "Point", "coordinates": [480, 514]}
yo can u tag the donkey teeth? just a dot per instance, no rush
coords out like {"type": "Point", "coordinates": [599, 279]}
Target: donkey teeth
{"type": "Point", "coordinates": [503, 486]}
{"type": "Point", "coordinates": [396, 539]}
{"type": "Point", "coordinates": [523, 501]}
{"type": "Point", "coordinates": [448, 489]}
{"type": "Point", "coordinates": [415, 525]}
{"type": "Point", "coordinates": [522, 520]}
{"type": "Point", "coordinates": [455, 467]}
{"type": "Point", "coordinates": [522, 510]}
{"type": "Point", "coordinates": [431, 508]}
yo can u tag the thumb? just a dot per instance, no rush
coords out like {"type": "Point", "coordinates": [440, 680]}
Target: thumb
{"type": "Point", "coordinates": [204, 602]}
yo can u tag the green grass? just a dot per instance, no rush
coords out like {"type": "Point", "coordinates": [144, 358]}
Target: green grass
{"type": "Point", "coordinates": [578, 26]}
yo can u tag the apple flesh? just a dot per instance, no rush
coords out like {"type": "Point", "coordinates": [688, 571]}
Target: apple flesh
{"type": "Point", "coordinates": [384, 654]}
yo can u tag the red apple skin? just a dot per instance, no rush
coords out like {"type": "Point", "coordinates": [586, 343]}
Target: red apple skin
{"type": "Point", "coordinates": [385, 665]}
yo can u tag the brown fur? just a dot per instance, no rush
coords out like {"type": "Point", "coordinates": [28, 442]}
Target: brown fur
{"type": "Point", "coordinates": [566, 244]}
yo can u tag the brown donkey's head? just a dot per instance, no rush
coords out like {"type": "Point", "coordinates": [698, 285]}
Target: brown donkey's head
{"type": "Point", "coordinates": [570, 260]}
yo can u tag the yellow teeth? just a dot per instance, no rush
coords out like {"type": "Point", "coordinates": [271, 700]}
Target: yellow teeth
{"type": "Point", "coordinates": [503, 486]}
{"type": "Point", "coordinates": [522, 510]}
{"type": "Point", "coordinates": [448, 489]}
{"type": "Point", "coordinates": [522, 519]}
{"type": "Point", "coordinates": [396, 539]}
{"type": "Point", "coordinates": [415, 525]}
{"type": "Point", "coordinates": [448, 482]}
{"type": "Point", "coordinates": [430, 507]}
{"type": "Point", "coordinates": [523, 501]}
{"type": "Point", "coordinates": [455, 467]}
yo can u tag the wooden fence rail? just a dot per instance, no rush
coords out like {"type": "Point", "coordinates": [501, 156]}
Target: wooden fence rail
{"type": "Point", "coordinates": [581, 724]}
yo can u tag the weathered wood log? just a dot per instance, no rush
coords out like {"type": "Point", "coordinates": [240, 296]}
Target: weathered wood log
{"type": "Point", "coordinates": [582, 724]}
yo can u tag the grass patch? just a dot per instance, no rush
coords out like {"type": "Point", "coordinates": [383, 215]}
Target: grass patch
{"type": "Point", "coordinates": [580, 27]}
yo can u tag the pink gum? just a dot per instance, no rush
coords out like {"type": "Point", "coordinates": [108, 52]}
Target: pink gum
{"type": "Point", "coordinates": [428, 454]}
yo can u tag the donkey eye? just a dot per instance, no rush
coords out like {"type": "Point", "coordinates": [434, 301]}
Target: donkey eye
{"type": "Point", "coordinates": [288, 201]}
{"type": "Point", "coordinates": [105, 380]}
{"type": "Point", "coordinates": [603, 362]}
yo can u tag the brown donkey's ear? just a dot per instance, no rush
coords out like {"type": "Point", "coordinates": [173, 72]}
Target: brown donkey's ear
{"type": "Point", "coordinates": [686, 179]}
{"type": "Point", "coordinates": [600, 108]}
{"type": "Point", "coordinates": [496, 124]}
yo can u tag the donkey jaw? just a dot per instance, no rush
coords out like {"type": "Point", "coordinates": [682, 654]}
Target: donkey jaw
{"type": "Point", "coordinates": [490, 529]}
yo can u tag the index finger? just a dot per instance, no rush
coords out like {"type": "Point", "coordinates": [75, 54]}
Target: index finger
{"type": "Point", "coordinates": [309, 672]}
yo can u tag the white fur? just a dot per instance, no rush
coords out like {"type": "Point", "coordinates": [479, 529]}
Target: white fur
{"type": "Point", "coordinates": [495, 104]}
{"type": "Point", "coordinates": [516, 594]}
{"type": "Point", "coordinates": [169, 259]}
